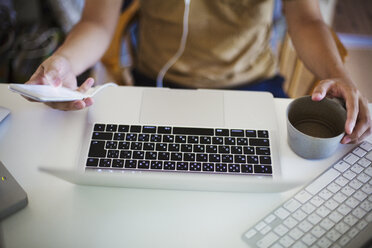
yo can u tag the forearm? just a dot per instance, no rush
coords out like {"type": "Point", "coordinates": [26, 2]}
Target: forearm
{"type": "Point", "coordinates": [316, 47]}
{"type": "Point", "coordinates": [84, 46]}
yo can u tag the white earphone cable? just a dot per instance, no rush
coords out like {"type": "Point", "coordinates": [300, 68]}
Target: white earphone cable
{"type": "Point", "coordinates": [177, 55]}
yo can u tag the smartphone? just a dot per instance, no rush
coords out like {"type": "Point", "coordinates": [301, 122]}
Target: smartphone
{"type": "Point", "coordinates": [47, 93]}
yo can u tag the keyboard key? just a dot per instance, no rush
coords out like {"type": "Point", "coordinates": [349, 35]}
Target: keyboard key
{"type": "Point", "coordinates": [211, 149]}
{"type": "Point", "coordinates": [136, 146]}
{"type": "Point", "coordinates": [205, 140]}
{"type": "Point", "coordinates": [322, 181]}
{"type": "Point", "coordinates": [193, 139]}
{"type": "Point", "coordinates": [292, 205]}
{"type": "Point", "coordinates": [182, 166]}
{"type": "Point", "coordinates": [186, 148]}
{"type": "Point", "coordinates": [234, 168]}
{"type": "Point", "coordinates": [221, 167]}
{"type": "Point", "coordinates": [102, 136]}
{"type": "Point", "coordinates": [237, 132]}
{"type": "Point", "coordinates": [227, 158]}
{"type": "Point", "coordinates": [265, 159]}
{"type": "Point", "coordinates": [165, 130]}
{"type": "Point", "coordinates": [351, 158]}
{"type": "Point", "coordinates": [105, 162]}
{"type": "Point", "coordinates": [241, 159]}
{"type": "Point", "coordinates": [124, 145]}
{"type": "Point", "coordinates": [252, 159]}
{"type": "Point", "coordinates": [199, 148]}
{"type": "Point", "coordinates": [251, 133]}
{"type": "Point", "coordinates": [246, 168]}
{"type": "Point", "coordinates": [259, 142]}
{"type": "Point", "coordinates": [248, 150]}
{"type": "Point", "coordinates": [174, 147]}
{"type": "Point", "coordinates": [268, 240]}
{"type": "Point", "coordinates": [169, 165]}
{"type": "Point", "coordinates": [236, 150]}
{"type": "Point", "coordinates": [222, 132]}
{"type": "Point", "coordinates": [138, 154]}
{"type": "Point", "coordinates": [281, 213]}
{"type": "Point", "coordinates": [341, 166]}
{"type": "Point", "coordinates": [97, 149]}
{"type": "Point", "coordinates": [168, 138]}
{"type": "Point", "coordinates": [200, 157]}
{"type": "Point", "coordinates": [113, 153]}
{"type": "Point", "coordinates": [131, 137]}
{"type": "Point", "coordinates": [135, 129]}
{"type": "Point", "coordinates": [92, 162]}
{"type": "Point", "coordinates": [151, 155]}
{"type": "Point", "coordinates": [214, 158]}
{"type": "Point", "coordinates": [155, 138]}
{"type": "Point", "coordinates": [242, 141]}
{"type": "Point", "coordinates": [161, 147]}
{"type": "Point", "coordinates": [123, 128]}
{"type": "Point", "coordinates": [156, 165]}
{"type": "Point", "coordinates": [303, 196]}
{"type": "Point", "coordinates": [263, 169]}
{"type": "Point", "coordinates": [263, 151]}
{"type": "Point", "coordinates": [176, 156]}
{"type": "Point", "coordinates": [193, 131]}
{"type": "Point", "coordinates": [224, 149]}
{"type": "Point", "coordinates": [230, 141]}
{"type": "Point", "coordinates": [180, 139]}
{"type": "Point", "coordinates": [189, 157]}
{"type": "Point", "coordinates": [163, 155]}
{"type": "Point", "coordinates": [144, 137]}
{"type": "Point", "coordinates": [149, 146]}
{"type": "Point", "coordinates": [99, 127]}
{"type": "Point", "coordinates": [195, 166]}
{"type": "Point", "coordinates": [111, 128]}
{"type": "Point", "coordinates": [130, 163]}
{"type": "Point", "coordinates": [143, 164]}
{"type": "Point", "coordinates": [119, 136]}
{"type": "Point", "coordinates": [148, 129]}
{"type": "Point", "coordinates": [217, 140]}
{"type": "Point", "coordinates": [263, 134]}
{"type": "Point", "coordinates": [126, 154]}
{"type": "Point", "coordinates": [117, 163]}
{"type": "Point", "coordinates": [208, 167]}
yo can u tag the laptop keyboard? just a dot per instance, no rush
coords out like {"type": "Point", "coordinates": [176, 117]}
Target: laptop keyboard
{"type": "Point", "coordinates": [180, 149]}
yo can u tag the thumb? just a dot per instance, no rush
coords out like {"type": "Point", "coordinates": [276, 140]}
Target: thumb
{"type": "Point", "coordinates": [52, 77]}
{"type": "Point", "coordinates": [321, 90]}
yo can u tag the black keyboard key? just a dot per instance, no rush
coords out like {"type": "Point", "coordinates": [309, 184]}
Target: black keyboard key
{"type": "Point", "coordinates": [193, 131]}
{"type": "Point", "coordinates": [161, 147]}
{"type": "Point", "coordinates": [123, 128]}
{"type": "Point", "coordinates": [234, 168]}
{"type": "Point", "coordinates": [208, 167]}
{"type": "Point", "coordinates": [144, 137]}
{"type": "Point", "coordinates": [186, 148]}
{"type": "Point", "coordinates": [263, 151]}
{"type": "Point", "coordinates": [135, 129]}
{"type": "Point", "coordinates": [148, 129]}
{"type": "Point", "coordinates": [214, 157]}
{"type": "Point", "coordinates": [156, 165]}
{"type": "Point", "coordinates": [105, 162]}
{"type": "Point", "coordinates": [180, 139]}
{"type": "Point", "coordinates": [119, 136]}
{"type": "Point", "coordinates": [263, 169]}
{"type": "Point", "coordinates": [138, 154]}
{"type": "Point", "coordinates": [113, 153]}
{"type": "Point", "coordinates": [174, 147]}
{"type": "Point", "coordinates": [155, 138]}
{"type": "Point", "coordinates": [217, 140]}
{"type": "Point", "coordinates": [250, 133]}
{"type": "Point", "coordinates": [201, 157]}
{"type": "Point", "coordinates": [143, 164]}
{"type": "Point", "coordinates": [252, 159]}
{"type": "Point", "coordinates": [99, 127]}
{"type": "Point", "coordinates": [195, 166]}
{"type": "Point", "coordinates": [206, 140]}
{"type": "Point", "coordinates": [117, 163]}
{"type": "Point", "coordinates": [199, 148]}
{"type": "Point", "coordinates": [259, 142]}
{"type": "Point", "coordinates": [126, 154]}
{"type": "Point", "coordinates": [136, 146]}
{"type": "Point", "coordinates": [97, 149]}
{"type": "Point", "coordinates": [111, 144]}
{"type": "Point", "coordinates": [165, 130]}
{"type": "Point", "coordinates": [176, 156]}
{"type": "Point", "coordinates": [263, 134]}
{"type": "Point", "coordinates": [242, 141]}
{"type": "Point", "coordinates": [168, 138]}
{"type": "Point", "coordinates": [221, 167]}
{"type": "Point", "coordinates": [224, 149]}
{"type": "Point", "coordinates": [182, 166]}
{"type": "Point", "coordinates": [230, 141]}
{"type": "Point", "coordinates": [92, 162]}
{"type": "Point", "coordinates": [149, 146]}
{"type": "Point", "coordinates": [246, 168]}
{"type": "Point", "coordinates": [237, 132]}
{"type": "Point", "coordinates": [241, 159]}
{"type": "Point", "coordinates": [211, 149]}
{"type": "Point", "coordinates": [124, 145]}
{"type": "Point", "coordinates": [102, 136]}
{"type": "Point", "coordinates": [151, 155]}
{"type": "Point", "coordinates": [131, 137]}
{"type": "Point", "coordinates": [222, 132]}
{"type": "Point", "coordinates": [169, 165]}
{"type": "Point", "coordinates": [163, 155]}
{"type": "Point", "coordinates": [189, 156]}
{"type": "Point", "coordinates": [227, 158]}
{"type": "Point", "coordinates": [248, 150]}
{"type": "Point", "coordinates": [265, 160]}
{"type": "Point", "coordinates": [111, 128]}
{"type": "Point", "coordinates": [130, 164]}
{"type": "Point", "coordinates": [193, 139]}
{"type": "Point", "coordinates": [237, 150]}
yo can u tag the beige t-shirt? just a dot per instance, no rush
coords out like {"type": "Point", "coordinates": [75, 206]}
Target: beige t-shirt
{"type": "Point", "coordinates": [227, 44]}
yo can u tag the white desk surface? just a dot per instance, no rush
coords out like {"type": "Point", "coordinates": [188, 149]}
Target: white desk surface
{"type": "Point", "coordinates": [61, 214]}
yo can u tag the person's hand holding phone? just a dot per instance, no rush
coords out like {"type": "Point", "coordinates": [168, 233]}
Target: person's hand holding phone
{"type": "Point", "coordinates": [57, 71]}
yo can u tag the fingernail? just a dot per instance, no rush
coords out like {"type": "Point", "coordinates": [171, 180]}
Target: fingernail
{"type": "Point", "coordinates": [346, 140]}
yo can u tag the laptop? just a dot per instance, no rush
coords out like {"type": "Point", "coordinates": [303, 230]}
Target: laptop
{"type": "Point", "coordinates": [180, 139]}
{"type": "Point", "coordinates": [12, 197]}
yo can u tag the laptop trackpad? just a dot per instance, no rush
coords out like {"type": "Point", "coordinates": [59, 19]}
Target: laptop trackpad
{"type": "Point", "coordinates": [182, 107]}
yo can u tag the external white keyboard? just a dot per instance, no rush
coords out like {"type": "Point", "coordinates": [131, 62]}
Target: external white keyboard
{"type": "Point", "coordinates": [334, 210]}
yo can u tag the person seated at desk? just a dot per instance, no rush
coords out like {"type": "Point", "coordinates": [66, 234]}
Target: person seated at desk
{"type": "Point", "coordinates": [227, 47]}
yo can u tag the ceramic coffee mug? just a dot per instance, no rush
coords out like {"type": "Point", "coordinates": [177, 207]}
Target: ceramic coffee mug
{"type": "Point", "coordinates": [315, 129]}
